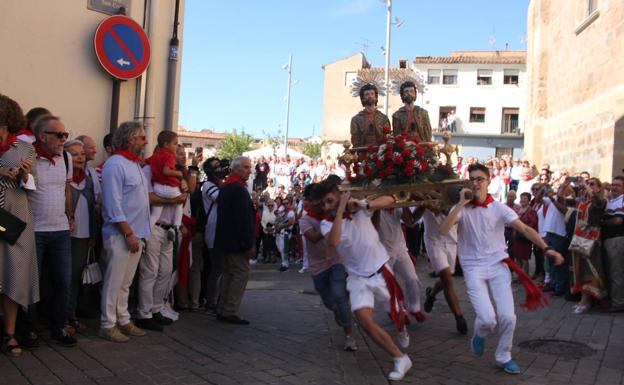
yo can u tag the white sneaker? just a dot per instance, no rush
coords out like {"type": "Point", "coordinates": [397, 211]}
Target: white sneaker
{"type": "Point", "coordinates": [168, 312]}
{"type": "Point", "coordinates": [350, 345]}
{"type": "Point", "coordinates": [403, 339]}
{"type": "Point", "coordinates": [303, 270]}
{"type": "Point", "coordinates": [401, 366]}
{"type": "Point", "coordinates": [252, 262]}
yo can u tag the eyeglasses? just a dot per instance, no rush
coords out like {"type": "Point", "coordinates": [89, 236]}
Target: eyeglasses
{"type": "Point", "coordinates": [477, 179]}
{"type": "Point", "coordinates": [59, 135]}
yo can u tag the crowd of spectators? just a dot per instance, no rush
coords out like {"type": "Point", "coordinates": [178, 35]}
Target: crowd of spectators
{"type": "Point", "coordinates": [170, 237]}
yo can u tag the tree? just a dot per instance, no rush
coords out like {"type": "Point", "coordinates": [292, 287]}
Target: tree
{"type": "Point", "coordinates": [313, 150]}
{"type": "Point", "coordinates": [234, 145]}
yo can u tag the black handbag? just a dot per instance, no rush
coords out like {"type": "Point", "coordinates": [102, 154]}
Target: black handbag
{"type": "Point", "coordinates": [11, 227]}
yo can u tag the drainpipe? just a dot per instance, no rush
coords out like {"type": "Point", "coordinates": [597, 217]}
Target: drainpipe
{"type": "Point", "coordinates": [148, 117]}
{"type": "Point", "coordinates": [172, 72]}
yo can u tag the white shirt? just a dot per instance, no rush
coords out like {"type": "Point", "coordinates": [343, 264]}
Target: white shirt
{"type": "Point", "coordinates": [516, 173]}
{"type": "Point", "coordinates": [167, 215]}
{"type": "Point", "coordinates": [391, 232]}
{"type": "Point", "coordinates": [495, 188]}
{"type": "Point", "coordinates": [616, 203]}
{"type": "Point", "coordinates": [48, 200]}
{"type": "Point", "coordinates": [210, 194]}
{"type": "Point", "coordinates": [432, 229]}
{"type": "Point", "coordinates": [481, 234]}
{"type": "Point", "coordinates": [360, 250]}
{"type": "Point", "coordinates": [554, 222]}
{"type": "Point", "coordinates": [540, 220]}
{"type": "Point", "coordinates": [81, 213]}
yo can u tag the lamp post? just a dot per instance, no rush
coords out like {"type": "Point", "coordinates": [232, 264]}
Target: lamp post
{"type": "Point", "coordinates": [387, 67]}
{"type": "Point", "coordinates": [287, 67]}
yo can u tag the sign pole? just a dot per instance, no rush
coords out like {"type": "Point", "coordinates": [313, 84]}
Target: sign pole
{"type": "Point", "coordinates": [114, 116]}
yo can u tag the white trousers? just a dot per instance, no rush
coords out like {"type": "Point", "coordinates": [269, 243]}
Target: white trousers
{"type": "Point", "coordinates": [155, 271]}
{"type": "Point", "coordinates": [280, 240]}
{"type": "Point", "coordinates": [168, 192]}
{"type": "Point", "coordinates": [119, 266]}
{"type": "Point", "coordinates": [403, 268]}
{"type": "Point", "coordinates": [306, 257]}
{"type": "Point", "coordinates": [497, 279]}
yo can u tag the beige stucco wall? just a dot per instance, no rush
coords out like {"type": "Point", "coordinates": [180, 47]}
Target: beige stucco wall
{"type": "Point", "coordinates": [338, 104]}
{"type": "Point", "coordinates": [575, 95]}
{"type": "Point", "coordinates": [48, 60]}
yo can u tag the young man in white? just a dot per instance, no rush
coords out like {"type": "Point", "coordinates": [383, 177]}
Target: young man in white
{"type": "Point", "coordinates": [481, 246]}
{"type": "Point", "coordinates": [391, 236]}
{"type": "Point", "coordinates": [442, 253]}
{"type": "Point", "coordinates": [365, 258]}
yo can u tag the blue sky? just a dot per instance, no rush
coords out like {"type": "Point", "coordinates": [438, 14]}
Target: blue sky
{"type": "Point", "coordinates": [232, 76]}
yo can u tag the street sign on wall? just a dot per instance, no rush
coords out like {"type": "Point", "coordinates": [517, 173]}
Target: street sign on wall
{"type": "Point", "coordinates": [122, 47]}
{"type": "Point", "coordinates": [110, 7]}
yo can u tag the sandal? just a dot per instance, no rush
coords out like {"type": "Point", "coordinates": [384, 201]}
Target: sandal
{"type": "Point", "coordinates": [14, 350]}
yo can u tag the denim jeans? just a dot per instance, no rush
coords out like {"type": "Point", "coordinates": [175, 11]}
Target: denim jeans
{"type": "Point", "coordinates": [559, 275]}
{"type": "Point", "coordinates": [331, 284]}
{"type": "Point", "coordinates": [54, 252]}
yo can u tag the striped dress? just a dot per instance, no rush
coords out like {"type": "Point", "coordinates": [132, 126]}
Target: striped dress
{"type": "Point", "coordinates": [19, 275]}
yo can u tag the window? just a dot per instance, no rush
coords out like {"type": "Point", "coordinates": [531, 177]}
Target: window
{"type": "Point", "coordinates": [433, 76]}
{"type": "Point", "coordinates": [592, 5]}
{"type": "Point", "coordinates": [484, 77]}
{"type": "Point", "coordinates": [449, 77]}
{"type": "Point", "coordinates": [477, 114]}
{"type": "Point", "coordinates": [511, 77]}
{"type": "Point", "coordinates": [187, 145]}
{"type": "Point", "coordinates": [509, 124]}
{"type": "Point", "coordinates": [350, 77]}
{"type": "Point", "coordinates": [503, 151]}
{"type": "Point", "coordinates": [447, 118]}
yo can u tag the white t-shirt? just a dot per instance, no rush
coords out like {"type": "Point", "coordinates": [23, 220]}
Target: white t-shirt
{"type": "Point", "coordinates": [554, 222]}
{"type": "Point", "coordinates": [432, 229]}
{"type": "Point", "coordinates": [48, 200]}
{"type": "Point", "coordinates": [390, 231]}
{"type": "Point", "coordinates": [285, 218]}
{"type": "Point", "coordinates": [360, 250]}
{"type": "Point", "coordinates": [615, 204]}
{"type": "Point", "coordinates": [481, 234]}
{"type": "Point", "coordinates": [81, 213]}
{"type": "Point", "coordinates": [210, 194]}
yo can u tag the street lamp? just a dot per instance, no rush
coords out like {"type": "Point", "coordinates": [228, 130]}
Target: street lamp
{"type": "Point", "coordinates": [287, 67]}
{"type": "Point", "coordinates": [386, 50]}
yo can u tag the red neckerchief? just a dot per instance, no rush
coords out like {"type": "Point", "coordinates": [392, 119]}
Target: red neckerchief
{"type": "Point", "coordinates": [44, 154]}
{"type": "Point", "coordinates": [24, 131]}
{"type": "Point", "coordinates": [233, 178]}
{"type": "Point", "coordinates": [79, 176]}
{"type": "Point", "coordinates": [131, 156]}
{"type": "Point", "coordinates": [345, 215]}
{"type": "Point", "coordinates": [313, 214]}
{"type": "Point", "coordinates": [9, 142]}
{"type": "Point", "coordinates": [485, 203]}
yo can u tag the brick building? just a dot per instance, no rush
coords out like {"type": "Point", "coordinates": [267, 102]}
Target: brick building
{"type": "Point", "coordinates": [575, 99]}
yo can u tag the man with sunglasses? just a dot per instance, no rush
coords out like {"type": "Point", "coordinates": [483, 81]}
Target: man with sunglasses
{"type": "Point", "coordinates": [484, 259]}
{"type": "Point", "coordinates": [53, 218]}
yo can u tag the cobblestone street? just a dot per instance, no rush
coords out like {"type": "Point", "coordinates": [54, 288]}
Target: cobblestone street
{"type": "Point", "coordinates": [292, 339]}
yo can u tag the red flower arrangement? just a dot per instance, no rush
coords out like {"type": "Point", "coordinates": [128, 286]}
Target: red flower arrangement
{"type": "Point", "coordinates": [399, 160]}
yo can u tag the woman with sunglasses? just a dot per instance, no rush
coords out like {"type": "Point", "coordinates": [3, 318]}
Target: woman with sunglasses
{"type": "Point", "coordinates": [588, 276]}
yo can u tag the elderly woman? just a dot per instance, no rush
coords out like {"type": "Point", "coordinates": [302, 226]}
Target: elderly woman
{"type": "Point", "coordinates": [588, 276]}
{"type": "Point", "coordinates": [84, 233]}
{"type": "Point", "coordinates": [19, 277]}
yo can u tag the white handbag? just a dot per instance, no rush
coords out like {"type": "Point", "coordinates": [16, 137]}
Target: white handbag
{"type": "Point", "coordinates": [582, 246]}
{"type": "Point", "coordinates": [91, 274]}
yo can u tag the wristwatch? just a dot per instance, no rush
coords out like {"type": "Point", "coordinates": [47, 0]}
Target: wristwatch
{"type": "Point", "coordinates": [366, 203]}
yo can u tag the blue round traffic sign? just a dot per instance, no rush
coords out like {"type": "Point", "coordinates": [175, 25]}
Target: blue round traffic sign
{"type": "Point", "coordinates": [122, 47]}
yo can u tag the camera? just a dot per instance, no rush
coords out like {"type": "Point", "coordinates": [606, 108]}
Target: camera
{"type": "Point", "coordinates": [224, 165]}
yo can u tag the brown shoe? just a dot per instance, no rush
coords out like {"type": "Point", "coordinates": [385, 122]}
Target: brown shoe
{"type": "Point", "coordinates": [113, 334]}
{"type": "Point", "coordinates": [130, 329]}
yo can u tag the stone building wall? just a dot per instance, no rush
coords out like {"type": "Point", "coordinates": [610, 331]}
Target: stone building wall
{"type": "Point", "coordinates": [576, 86]}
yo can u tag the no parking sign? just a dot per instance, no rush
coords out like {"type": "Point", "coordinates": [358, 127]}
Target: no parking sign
{"type": "Point", "coordinates": [122, 47]}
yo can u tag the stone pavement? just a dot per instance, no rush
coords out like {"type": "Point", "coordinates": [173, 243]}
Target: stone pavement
{"type": "Point", "coordinates": [293, 340]}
